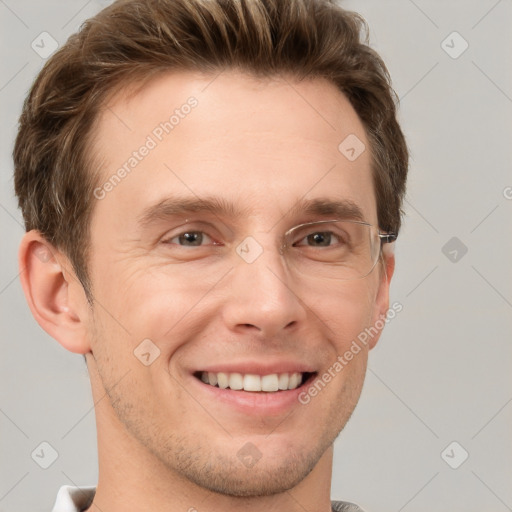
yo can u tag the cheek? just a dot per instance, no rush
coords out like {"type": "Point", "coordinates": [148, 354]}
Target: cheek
{"type": "Point", "coordinates": [147, 302]}
{"type": "Point", "coordinates": [345, 310]}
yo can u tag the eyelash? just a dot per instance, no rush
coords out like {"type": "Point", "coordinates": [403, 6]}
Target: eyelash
{"type": "Point", "coordinates": [319, 231]}
{"type": "Point", "coordinates": [195, 231]}
{"type": "Point", "coordinates": [188, 231]}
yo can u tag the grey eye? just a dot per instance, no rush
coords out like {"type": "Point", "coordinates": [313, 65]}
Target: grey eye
{"type": "Point", "coordinates": [190, 239]}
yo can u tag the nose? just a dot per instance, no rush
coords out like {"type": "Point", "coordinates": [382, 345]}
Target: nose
{"type": "Point", "coordinates": [262, 295]}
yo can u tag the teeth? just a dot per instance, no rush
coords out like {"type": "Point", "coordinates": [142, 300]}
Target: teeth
{"type": "Point", "coordinates": [236, 381]}
{"type": "Point", "coordinates": [294, 380]}
{"type": "Point", "coordinates": [211, 378]}
{"type": "Point", "coordinates": [270, 382]}
{"type": "Point", "coordinates": [250, 382]}
{"type": "Point", "coordinates": [284, 378]}
{"type": "Point", "coordinates": [222, 380]}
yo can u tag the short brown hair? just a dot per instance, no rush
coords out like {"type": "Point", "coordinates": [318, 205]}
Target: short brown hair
{"type": "Point", "coordinates": [134, 40]}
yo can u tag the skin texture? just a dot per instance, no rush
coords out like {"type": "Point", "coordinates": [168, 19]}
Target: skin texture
{"type": "Point", "coordinates": [262, 145]}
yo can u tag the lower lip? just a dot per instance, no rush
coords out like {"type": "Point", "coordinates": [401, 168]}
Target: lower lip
{"type": "Point", "coordinates": [254, 402]}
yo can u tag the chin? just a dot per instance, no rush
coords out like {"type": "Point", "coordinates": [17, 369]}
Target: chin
{"type": "Point", "coordinates": [274, 470]}
{"type": "Point", "coordinates": [229, 478]}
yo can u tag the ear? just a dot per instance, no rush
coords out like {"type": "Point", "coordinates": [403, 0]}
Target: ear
{"type": "Point", "coordinates": [386, 269]}
{"type": "Point", "coordinates": [54, 294]}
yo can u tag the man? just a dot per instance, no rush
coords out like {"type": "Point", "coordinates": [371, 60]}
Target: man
{"type": "Point", "coordinates": [211, 191]}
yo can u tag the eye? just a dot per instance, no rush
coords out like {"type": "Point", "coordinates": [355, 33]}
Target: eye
{"type": "Point", "coordinates": [320, 239]}
{"type": "Point", "coordinates": [190, 239]}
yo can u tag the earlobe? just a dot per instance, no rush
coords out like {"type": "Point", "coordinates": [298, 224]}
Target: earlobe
{"type": "Point", "coordinates": [47, 278]}
{"type": "Point", "coordinates": [381, 305]}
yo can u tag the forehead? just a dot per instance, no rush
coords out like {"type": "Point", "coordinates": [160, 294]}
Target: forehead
{"type": "Point", "coordinates": [261, 143]}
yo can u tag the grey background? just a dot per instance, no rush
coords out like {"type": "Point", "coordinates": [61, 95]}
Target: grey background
{"type": "Point", "coordinates": [439, 373]}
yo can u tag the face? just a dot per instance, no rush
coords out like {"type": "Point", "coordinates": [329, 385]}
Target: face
{"type": "Point", "coordinates": [181, 292]}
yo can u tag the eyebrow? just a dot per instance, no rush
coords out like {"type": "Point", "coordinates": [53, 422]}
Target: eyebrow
{"type": "Point", "coordinates": [218, 206]}
{"type": "Point", "coordinates": [339, 208]}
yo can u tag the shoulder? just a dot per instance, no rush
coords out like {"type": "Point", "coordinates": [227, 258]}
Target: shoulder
{"type": "Point", "coordinates": [73, 499]}
{"type": "Point", "coordinates": [345, 506]}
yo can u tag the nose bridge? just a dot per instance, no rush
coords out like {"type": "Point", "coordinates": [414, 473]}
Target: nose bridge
{"type": "Point", "coordinates": [260, 245]}
{"type": "Point", "coordinates": [261, 286]}
{"type": "Point", "coordinates": [270, 245]}
{"type": "Point", "coordinates": [261, 262]}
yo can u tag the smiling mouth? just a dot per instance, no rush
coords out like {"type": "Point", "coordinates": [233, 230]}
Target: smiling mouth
{"type": "Point", "coordinates": [270, 383]}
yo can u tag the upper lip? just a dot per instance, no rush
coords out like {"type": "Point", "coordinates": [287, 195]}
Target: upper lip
{"type": "Point", "coordinates": [256, 368]}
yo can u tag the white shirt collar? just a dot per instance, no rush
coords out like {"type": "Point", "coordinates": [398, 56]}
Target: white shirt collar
{"type": "Point", "coordinates": [74, 499]}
